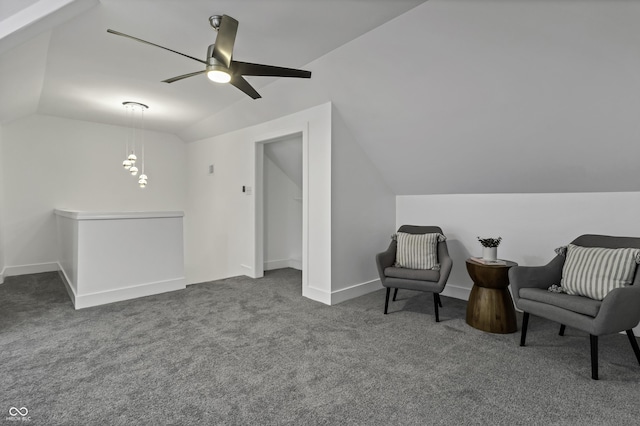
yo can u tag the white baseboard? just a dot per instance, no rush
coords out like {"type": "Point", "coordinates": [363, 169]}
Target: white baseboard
{"type": "Point", "coordinates": [354, 291]}
{"type": "Point", "coordinates": [316, 294]}
{"type": "Point", "coordinates": [67, 285]}
{"type": "Point", "coordinates": [270, 265]}
{"type": "Point", "coordinates": [118, 295]}
{"type": "Point", "coordinates": [35, 268]}
{"type": "Point", "coordinates": [339, 296]}
{"type": "Point", "coordinates": [295, 264]}
{"type": "Point", "coordinates": [456, 291]}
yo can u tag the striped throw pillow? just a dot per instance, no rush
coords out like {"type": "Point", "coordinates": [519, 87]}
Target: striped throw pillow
{"type": "Point", "coordinates": [595, 271]}
{"type": "Point", "coordinates": [418, 251]}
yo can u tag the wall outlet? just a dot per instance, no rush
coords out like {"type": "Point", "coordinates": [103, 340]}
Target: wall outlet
{"type": "Point", "coordinates": [210, 169]}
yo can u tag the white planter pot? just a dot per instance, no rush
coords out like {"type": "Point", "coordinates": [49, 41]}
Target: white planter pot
{"type": "Point", "coordinates": [490, 253]}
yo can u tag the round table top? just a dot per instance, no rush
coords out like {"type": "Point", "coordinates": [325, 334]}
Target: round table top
{"type": "Point", "coordinates": [489, 276]}
{"type": "Point", "coordinates": [509, 264]}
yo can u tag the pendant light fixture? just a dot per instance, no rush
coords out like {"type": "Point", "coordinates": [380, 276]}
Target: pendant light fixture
{"type": "Point", "coordinates": [134, 112]}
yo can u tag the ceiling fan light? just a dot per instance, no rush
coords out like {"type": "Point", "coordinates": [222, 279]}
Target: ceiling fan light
{"type": "Point", "coordinates": [219, 76]}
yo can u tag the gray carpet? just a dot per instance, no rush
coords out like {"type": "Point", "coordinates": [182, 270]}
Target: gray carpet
{"type": "Point", "coordinates": [248, 352]}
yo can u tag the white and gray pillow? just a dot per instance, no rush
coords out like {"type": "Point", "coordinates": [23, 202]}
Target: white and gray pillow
{"type": "Point", "coordinates": [595, 271]}
{"type": "Point", "coordinates": [418, 251]}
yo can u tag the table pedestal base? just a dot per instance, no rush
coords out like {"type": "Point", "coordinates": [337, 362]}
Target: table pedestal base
{"type": "Point", "coordinates": [491, 309]}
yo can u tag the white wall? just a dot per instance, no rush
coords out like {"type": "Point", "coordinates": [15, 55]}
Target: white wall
{"type": "Point", "coordinates": [350, 208]}
{"type": "Point", "coordinates": [52, 163]}
{"type": "Point", "coordinates": [108, 257]}
{"type": "Point", "coordinates": [362, 215]}
{"type": "Point", "coordinates": [282, 218]}
{"type": "Point", "coordinates": [531, 225]}
{"type": "Point", "coordinates": [221, 236]}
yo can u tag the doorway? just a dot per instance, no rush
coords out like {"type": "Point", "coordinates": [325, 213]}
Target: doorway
{"type": "Point", "coordinates": [281, 211]}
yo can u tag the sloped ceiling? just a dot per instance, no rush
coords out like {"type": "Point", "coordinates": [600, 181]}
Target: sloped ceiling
{"type": "Point", "coordinates": [21, 20]}
{"type": "Point", "coordinates": [10, 8]}
{"type": "Point", "coordinates": [89, 73]}
{"type": "Point", "coordinates": [286, 154]}
{"type": "Point", "coordinates": [483, 96]}
{"type": "Point", "coordinates": [21, 82]}
{"type": "Point", "coordinates": [444, 96]}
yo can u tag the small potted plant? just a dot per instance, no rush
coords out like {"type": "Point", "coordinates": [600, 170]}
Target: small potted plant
{"type": "Point", "coordinates": [490, 247]}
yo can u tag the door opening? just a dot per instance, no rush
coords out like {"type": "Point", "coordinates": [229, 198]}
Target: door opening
{"type": "Point", "coordinates": [281, 204]}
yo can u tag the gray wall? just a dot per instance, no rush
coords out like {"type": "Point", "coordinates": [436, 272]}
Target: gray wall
{"type": "Point", "coordinates": [362, 210]}
{"type": "Point", "coordinates": [460, 96]}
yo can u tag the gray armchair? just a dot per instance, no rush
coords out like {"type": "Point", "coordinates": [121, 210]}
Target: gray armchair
{"type": "Point", "coordinates": [414, 279]}
{"type": "Point", "coordinates": [618, 311]}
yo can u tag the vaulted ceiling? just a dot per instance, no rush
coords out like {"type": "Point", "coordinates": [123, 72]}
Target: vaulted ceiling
{"type": "Point", "coordinates": [75, 69]}
{"type": "Point", "coordinates": [444, 96]}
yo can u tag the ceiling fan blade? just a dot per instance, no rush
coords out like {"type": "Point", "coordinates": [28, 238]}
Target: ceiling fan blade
{"type": "Point", "coordinates": [156, 45]}
{"type": "Point", "coordinates": [180, 77]}
{"type": "Point", "coordinates": [247, 68]}
{"type": "Point", "coordinates": [226, 38]}
{"type": "Point", "coordinates": [244, 85]}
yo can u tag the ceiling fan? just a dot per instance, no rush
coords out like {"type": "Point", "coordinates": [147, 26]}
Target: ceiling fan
{"type": "Point", "coordinates": [219, 65]}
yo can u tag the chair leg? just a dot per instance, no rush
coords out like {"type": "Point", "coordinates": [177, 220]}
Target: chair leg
{"type": "Point", "coordinates": [594, 357]}
{"type": "Point", "coordinates": [561, 332]}
{"type": "Point", "coordinates": [395, 293]}
{"type": "Point", "coordinates": [439, 300]}
{"type": "Point", "coordinates": [435, 305]}
{"type": "Point", "coordinates": [525, 323]}
{"type": "Point", "coordinates": [634, 344]}
{"type": "Point", "coordinates": [386, 301]}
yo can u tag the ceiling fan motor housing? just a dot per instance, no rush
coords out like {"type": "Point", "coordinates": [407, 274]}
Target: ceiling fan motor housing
{"type": "Point", "coordinates": [216, 70]}
{"type": "Point", "coordinates": [210, 59]}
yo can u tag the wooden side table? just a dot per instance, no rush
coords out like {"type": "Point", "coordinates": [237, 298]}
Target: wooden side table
{"type": "Point", "coordinates": [490, 307]}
